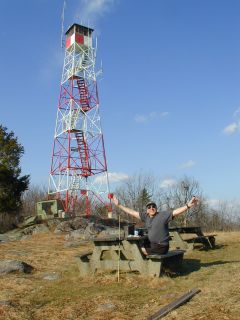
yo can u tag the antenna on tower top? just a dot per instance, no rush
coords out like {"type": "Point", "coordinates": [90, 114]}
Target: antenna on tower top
{"type": "Point", "coordinates": [62, 17]}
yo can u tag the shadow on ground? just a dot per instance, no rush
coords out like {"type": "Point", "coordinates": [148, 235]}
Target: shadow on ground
{"type": "Point", "coordinates": [217, 246]}
{"type": "Point", "coordinates": [191, 265]}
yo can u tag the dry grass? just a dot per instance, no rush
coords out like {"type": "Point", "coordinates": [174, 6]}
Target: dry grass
{"type": "Point", "coordinates": [215, 272]}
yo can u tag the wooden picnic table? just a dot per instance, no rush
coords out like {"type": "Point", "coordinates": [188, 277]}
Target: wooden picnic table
{"type": "Point", "coordinates": [196, 229]}
{"type": "Point", "coordinates": [190, 237]}
{"type": "Point", "coordinates": [124, 253]}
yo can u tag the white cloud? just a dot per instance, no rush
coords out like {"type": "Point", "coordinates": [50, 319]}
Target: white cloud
{"type": "Point", "coordinates": [91, 10]}
{"type": "Point", "coordinates": [167, 183]}
{"type": "Point", "coordinates": [117, 177]}
{"type": "Point", "coordinates": [234, 126]}
{"type": "Point", "coordinates": [164, 114]}
{"type": "Point", "coordinates": [140, 118]}
{"type": "Point", "coordinates": [144, 118]}
{"type": "Point", "coordinates": [113, 177]}
{"type": "Point", "coordinates": [188, 164]}
{"type": "Point", "coordinates": [231, 128]}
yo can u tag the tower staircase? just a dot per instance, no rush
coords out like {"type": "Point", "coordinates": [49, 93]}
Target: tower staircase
{"type": "Point", "coordinates": [83, 92]}
{"type": "Point", "coordinates": [84, 153]}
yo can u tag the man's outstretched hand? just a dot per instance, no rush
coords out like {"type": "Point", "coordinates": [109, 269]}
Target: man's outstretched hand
{"type": "Point", "coordinates": [193, 202]}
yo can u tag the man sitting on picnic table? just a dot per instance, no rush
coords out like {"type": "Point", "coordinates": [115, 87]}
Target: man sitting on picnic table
{"type": "Point", "coordinates": [156, 224]}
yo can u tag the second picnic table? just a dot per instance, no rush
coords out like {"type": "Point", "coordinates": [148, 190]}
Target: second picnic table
{"type": "Point", "coordinates": [190, 237]}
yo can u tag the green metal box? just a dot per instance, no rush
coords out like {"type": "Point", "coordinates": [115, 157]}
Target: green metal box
{"type": "Point", "coordinates": [50, 209]}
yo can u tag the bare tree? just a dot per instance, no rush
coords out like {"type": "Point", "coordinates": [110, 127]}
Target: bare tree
{"type": "Point", "coordinates": [136, 191]}
{"type": "Point", "coordinates": [224, 216]}
{"type": "Point", "coordinates": [141, 187]}
{"type": "Point", "coordinates": [30, 197]}
{"type": "Point", "coordinates": [178, 195]}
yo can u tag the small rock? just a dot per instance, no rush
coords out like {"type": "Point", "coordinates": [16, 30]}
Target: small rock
{"type": "Point", "coordinates": [106, 306]}
{"type": "Point", "coordinates": [5, 303]}
{"type": "Point", "coordinates": [40, 229]}
{"type": "Point", "coordinates": [75, 235]}
{"type": "Point", "coordinates": [4, 238]}
{"type": "Point", "coordinates": [79, 223]}
{"type": "Point", "coordinates": [51, 276]}
{"type": "Point", "coordinates": [9, 266]}
{"type": "Point", "coordinates": [92, 230]}
{"type": "Point", "coordinates": [64, 226]}
{"type": "Point", "coordinates": [28, 221]}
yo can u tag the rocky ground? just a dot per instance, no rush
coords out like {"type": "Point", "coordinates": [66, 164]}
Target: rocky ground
{"type": "Point", "coordinates": [75, 230]}
{"type": "Point", "coordinates": [39, 278]}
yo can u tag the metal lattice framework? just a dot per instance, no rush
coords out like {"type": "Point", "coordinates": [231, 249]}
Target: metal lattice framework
{"type": "Point", "coordinates": [79, 167]}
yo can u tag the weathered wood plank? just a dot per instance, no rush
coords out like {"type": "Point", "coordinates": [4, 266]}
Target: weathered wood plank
{"type": "Point", "coordinates": [173, 305]}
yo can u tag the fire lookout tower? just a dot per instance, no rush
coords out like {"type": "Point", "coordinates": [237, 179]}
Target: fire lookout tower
{"type": "Point", "coordinates": [78, 171]}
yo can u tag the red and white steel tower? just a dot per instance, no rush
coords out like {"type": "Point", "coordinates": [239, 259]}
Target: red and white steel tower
{"type": "Point", "coordinates": [79, 167]}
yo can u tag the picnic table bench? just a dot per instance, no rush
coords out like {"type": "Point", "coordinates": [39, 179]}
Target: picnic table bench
{"type": "Point", "coordinates": [190, 237]}
{"type": "Point", "coordinates": [124, 254]}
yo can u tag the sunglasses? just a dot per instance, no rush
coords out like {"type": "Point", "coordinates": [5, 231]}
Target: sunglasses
{"type": "Point", "coordinates": [151, 206]}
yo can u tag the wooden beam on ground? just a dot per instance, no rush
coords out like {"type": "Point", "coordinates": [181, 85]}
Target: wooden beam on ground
{"type": "Point", "coordinates": [173, 305]}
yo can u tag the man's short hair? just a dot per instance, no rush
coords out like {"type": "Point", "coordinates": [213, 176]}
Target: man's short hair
{"type": "Point", "coordinates": [151, 203]}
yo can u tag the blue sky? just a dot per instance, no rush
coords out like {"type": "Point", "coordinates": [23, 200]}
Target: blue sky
{"type": "Point", "coordinates": [169, 94]}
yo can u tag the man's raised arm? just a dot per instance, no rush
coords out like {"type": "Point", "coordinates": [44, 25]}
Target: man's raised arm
{"type": "Point", "coordinates": [125, 209]}
{"type": "Point", "coordinates": [194, 201]}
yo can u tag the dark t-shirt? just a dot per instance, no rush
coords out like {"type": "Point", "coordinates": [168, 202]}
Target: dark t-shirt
{"type": "Point", "coordinates": [157, 226]}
